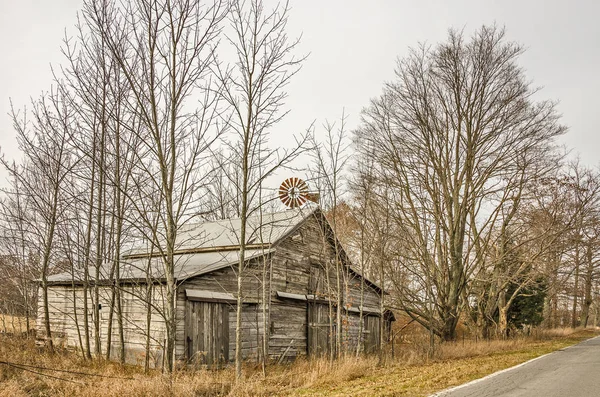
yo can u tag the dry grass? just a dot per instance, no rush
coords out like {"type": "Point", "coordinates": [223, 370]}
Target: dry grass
{"type": "Point", "coordinates": [411, 373]}
{"type": "Point", "coordinates": [14, 325]}
{"type": "Point", "coordinates": [453, 364]}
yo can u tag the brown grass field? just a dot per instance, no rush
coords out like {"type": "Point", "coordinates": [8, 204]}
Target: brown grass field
{"type": "Point", "coordinates": [410, 373]}
{"type": "Point", "coordinates": [14, 325]}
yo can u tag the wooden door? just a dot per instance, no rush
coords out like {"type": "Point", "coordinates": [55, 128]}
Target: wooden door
{"type": "Point", "coordinates": [319, 328]}
{"type": "Point", "coordinates": [371, 331]}
{"type": "Point", "coordinates": [207, 333]}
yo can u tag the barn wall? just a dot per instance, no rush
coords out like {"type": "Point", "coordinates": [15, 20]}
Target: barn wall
{"type": "Point", "coordinates": [66, 318]}
{"type": "Point", "coordinates": [225, 280]}
{"type": "Point", "coordinates": [291, 272]}
{"type": "Point", "coordinates": [371, 298]}
{"type": "Point", "coordinates": [299, 264]}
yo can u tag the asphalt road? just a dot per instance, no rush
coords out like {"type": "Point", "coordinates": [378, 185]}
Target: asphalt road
{"type": "Point", "coordinates": [570, 372]}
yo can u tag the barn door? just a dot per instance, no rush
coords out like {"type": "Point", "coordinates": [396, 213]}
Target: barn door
{"type": "Point", "coordinates": [207, 333]}
{"type": "Point", "coordinates": [371, 331]}
{"type": "Point", "coordinates": [318, 329]}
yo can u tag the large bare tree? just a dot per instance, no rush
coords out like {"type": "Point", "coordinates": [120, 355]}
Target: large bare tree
{"type": "Point", "coordinates": [452, 136]}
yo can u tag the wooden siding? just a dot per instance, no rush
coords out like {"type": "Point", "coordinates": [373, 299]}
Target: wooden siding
{"type": "Point", "coordinates": [207, 333]}
{"type": "Point", "coordinates": [67, 322]}
{"type": "Point", "coordinates": [225, 280]}
{"type": "Point", "coordinates": [288, 329]}
{"type": "Point", "coordinates": [297, 266]}
{"type": "Point", "coordinates": [372, 332]}
{"type": "Point", "coordinates": [320, 330]}
{"type": "Point", "coordinates": [301, 264]}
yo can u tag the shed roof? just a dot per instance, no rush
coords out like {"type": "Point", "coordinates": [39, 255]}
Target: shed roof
{"type": "Point", "coordinates": [185, 266]}
{"type": "Point", "coordinates": [261, 228]}
{"type": "Point", "coordinates": [204, 247]}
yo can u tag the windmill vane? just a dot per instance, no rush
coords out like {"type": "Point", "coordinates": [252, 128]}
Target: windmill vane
{"type": "Point", "coordinates": [293, 192]}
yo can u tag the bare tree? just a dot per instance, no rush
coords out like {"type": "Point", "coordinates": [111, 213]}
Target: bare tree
{"type": "Point", "coordinates": [224, 187]}
{"type": "Point", "coordinates": [254, 88]}
{"type": "Point", "coordinates": [42, 177]}
{"type": "Point", "coordinates": [564, 213]}
{"type": "Point", "coordinates": [585, 189]}
{"type": "Point", "coordinates": [453, 133]}
{"type": "Point", "coordinates": [328, 171]}
{"type": "Point", "coordinates": [164, 51]}
{"type": "Point", "coordinates": [370, 238]}
{"type": "Point", "coordinates": [507, 255]}
{"type": "Point", "coordinates": [18, 269]}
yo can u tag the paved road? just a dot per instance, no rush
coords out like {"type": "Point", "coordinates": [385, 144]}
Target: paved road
{"type": "Point", "coordinates": [571, 372]}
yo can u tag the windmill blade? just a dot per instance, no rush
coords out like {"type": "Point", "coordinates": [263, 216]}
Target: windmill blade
{"type": "Point", "coordinates": [294, 192]}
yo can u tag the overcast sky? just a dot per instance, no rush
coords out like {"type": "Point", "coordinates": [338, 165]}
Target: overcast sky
{"type": "Point", "coordinates": [353, 46]}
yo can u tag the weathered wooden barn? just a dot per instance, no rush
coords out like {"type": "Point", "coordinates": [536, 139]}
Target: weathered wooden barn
{"type": "Point", "coordinates": [288, 293]}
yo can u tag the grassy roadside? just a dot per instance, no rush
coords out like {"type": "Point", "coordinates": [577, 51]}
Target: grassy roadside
{"type": "Point", "coordinates": [428, 378]}
{"type": "Point", "coordinates": [409, 375]}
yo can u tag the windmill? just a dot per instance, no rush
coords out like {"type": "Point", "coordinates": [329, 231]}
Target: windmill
{"type": "Point", "coordinates": [294, 192]}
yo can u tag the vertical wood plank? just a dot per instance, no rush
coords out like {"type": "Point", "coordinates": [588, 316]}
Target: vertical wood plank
{"type": "Point", "coordinates": [211, 333]}
{"type": "Point", "coordinates": [225, 332]}
{"type": "Point", "coordinates": [202, 330]}
{"type": "Point", "coordinates": [206, 331]}
{"type": "Point", "coordinates": [189, 348]}
{"type": "Point", "coordinates": [219, 333]}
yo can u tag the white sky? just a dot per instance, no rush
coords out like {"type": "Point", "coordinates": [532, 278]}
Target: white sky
{"type": "Point", "coordinates": [353, 46]}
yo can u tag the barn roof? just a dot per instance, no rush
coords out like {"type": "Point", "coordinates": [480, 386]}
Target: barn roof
{"type": "Point", "coordinates": [205, 247]}
{"type": "Point", "coordinates": [261, 229]}
{"type": "Point", "coordinates": [185, 266]}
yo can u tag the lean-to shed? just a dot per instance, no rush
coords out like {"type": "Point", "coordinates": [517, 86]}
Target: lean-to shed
{"type": "Point", "coordinates": [289, 292]}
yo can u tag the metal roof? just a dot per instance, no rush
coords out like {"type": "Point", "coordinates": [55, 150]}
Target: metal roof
{"type": "Point", "coordinates": [215, 245]}
{"type": "Point", "coordinates": [265, 228]}
{"type": "Point", "coordinates": [205, 247]}
{"type": "Point", "coordinates": [185, 266]}
{"type": "Point", "coordinates": [209, 296]}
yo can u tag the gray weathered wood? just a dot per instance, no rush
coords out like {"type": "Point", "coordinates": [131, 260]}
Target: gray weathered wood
{"type": "Point", "coordinates": [297, 309]}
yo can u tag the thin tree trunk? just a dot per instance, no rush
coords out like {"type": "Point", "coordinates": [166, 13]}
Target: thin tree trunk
{"type": "Point", "coordinates": [266, 310]}
{"type": "Point", "coordinates": [149, 287]}
{"type": "Point", "coordinates": [587, 300]}
{"type": "Point", "coordinates": [45, 267]}
{"type": "Point", "coordinates": [113, 293]}
{"type": "Point", "coordinates": [382, 320]}
{"type": "Point", "coordinates": [360, 314]}
{"type": "Point", "coordinates": [86, 255]}
{"type": "Point", "coordinates": [75, 316]}
{"type": "Point", "coordinates": [99, 247]}
{"type": "Point", "coordinates": [244, 219]}
{"type": "Point", "coordinates": [574, 321]}
{"type": "Point", "coordinates": [148, 325]}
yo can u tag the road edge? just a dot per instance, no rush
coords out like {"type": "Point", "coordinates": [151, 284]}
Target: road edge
{"type": "Point", "coordinates": [441, 393]}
